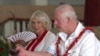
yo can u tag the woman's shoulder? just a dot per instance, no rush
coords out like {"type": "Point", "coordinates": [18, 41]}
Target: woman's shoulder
{"type": "Point", "coordinates": [51, 33]}
{"type": "Point", "coordinates": [51, 36]}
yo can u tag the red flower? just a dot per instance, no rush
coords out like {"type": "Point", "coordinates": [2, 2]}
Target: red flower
{"type": "Point", "coordinates": [1, 49]}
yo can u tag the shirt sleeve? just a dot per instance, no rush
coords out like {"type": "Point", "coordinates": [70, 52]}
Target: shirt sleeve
{"type": "Point", "coordinates": [52, 49]}
{"type": "Point", "coordinates": [89, 45]}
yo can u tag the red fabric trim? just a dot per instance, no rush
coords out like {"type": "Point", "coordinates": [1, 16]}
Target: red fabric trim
{"type": "Point", "coordinates": [30, 44]}
{"type": "Point", "coordinates": [76, 40]}
{"type": "Point", "coordinates": [33, 43]}
{"type": "Point", "coordinates": [57, 47]}
{"type": "Point", "coordinates": [38, 40]}
{"type": "Point", "coordinates": [73, 43]}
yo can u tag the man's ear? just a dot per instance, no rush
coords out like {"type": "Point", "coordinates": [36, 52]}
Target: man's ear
{"type": "Point", "coordinates": [67, 19]}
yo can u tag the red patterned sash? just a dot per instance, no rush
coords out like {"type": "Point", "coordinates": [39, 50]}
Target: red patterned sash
{"type": "Point", "coordinates": [73, 42]}
{"type": "Point", "coordinates": [36, 42]}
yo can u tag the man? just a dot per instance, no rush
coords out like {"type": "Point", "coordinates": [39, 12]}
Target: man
{"type": "Point", "coordinates": [74, 39]}
{"type": "Point", "coordinates": [81, 41]}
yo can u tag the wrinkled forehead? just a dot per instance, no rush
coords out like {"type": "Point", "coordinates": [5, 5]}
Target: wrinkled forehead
{"type": "Point", "coordinates": [57, 15]}
{"type": "Point", "coordinates": [60, 14]}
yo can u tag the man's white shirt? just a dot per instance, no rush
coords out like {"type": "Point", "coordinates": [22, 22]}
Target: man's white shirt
{"type": "Point", "coordinates": [86, 46]}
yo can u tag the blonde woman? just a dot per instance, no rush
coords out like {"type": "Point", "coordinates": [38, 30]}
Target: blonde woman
{"type": "Point", "coordinates": [40, 24]}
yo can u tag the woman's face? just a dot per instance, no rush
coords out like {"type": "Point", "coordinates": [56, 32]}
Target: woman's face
{"type": "Point", "coordinates": [37, 25]}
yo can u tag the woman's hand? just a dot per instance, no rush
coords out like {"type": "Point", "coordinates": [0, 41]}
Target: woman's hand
{"type": "Point", "coordinates": [21, 50]}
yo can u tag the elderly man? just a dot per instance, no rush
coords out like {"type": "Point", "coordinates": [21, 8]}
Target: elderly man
{"type": "Point", "coordinates": [74, 39]}
{"type": "Point", "coordinates": [77, 40]}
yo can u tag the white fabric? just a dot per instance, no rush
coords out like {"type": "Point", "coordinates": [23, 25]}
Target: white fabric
{"type": "Point", "coordinates": [25, 36]}
{"type": "Point", "coordinates": [48, 39]}
{"type": "Point", "coordinates": [87, 46]}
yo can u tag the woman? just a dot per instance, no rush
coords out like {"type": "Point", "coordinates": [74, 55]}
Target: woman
{"type": "Point", "coordinates": [40, 24]}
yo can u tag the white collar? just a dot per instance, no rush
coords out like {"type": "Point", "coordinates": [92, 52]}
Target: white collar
{"type": "Point", "coordinates": [77, 31]}
{"type": "Point", "coordinates": [64, 36]}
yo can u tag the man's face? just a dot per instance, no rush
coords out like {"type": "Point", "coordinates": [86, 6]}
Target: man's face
{"type": "Point", "coordinates": [60, 21]}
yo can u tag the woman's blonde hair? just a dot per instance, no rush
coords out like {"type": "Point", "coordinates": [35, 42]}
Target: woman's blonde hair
{"type": "Point", "coordinates": [43, 17]}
